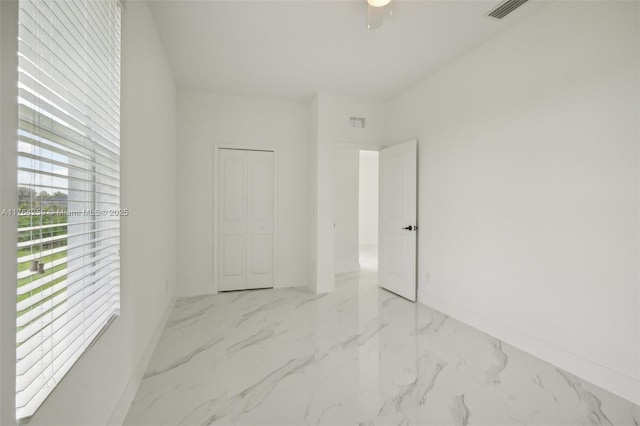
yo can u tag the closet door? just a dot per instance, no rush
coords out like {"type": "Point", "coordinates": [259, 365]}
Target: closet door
{"type": "Point", "coordinates": [260, 192]}
{"type": "Point", "coordinates": [232, 219]}
{"type": "Point", "coordinates": [245, 219]}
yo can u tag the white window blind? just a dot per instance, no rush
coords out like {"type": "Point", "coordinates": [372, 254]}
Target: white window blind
{"type": "Point", "coordinates": [68, 187]}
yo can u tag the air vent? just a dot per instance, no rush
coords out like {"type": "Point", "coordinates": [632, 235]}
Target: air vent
{"type": "Point", "coordinates": [357, 122]}
{"type": "Point", "coordinates": [506, 8]}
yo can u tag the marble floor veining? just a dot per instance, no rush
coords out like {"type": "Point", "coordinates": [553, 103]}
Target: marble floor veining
{"type": "Point", "coordinates": [357, 356]}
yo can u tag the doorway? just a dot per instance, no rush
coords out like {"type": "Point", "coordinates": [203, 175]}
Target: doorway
{"type": "Point", "coordinates": [355, 210]}
{"type": "Point", "coordinates": [368, 210]}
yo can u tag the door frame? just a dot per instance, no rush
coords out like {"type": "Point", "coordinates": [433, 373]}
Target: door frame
{"type": "Point", "coordinates": [353, 146]}
{"type": "Point", "coordinates": [324, 253]}
{"type": "Point", "coordinates": [216, 151]}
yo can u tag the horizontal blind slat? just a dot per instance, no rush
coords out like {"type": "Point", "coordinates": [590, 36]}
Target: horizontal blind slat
{"type": "Point", "coordinates": [42, 295]}
{"type": "Point", "coordinates": [56, 238]}
{"type": "Point", "coordinates": [50, 132]}
{"type": "Point", "coordinates": [95, 170]}
{"type": "Point", "coordinates": [28, 143]}
{"type": "Point", "coordinates": [38, 349]}
{"type": "Point", "coordinates": [66, 53]}
{"type": "Point", "coordinates": [24, 382]}
{"type": "Point", "coordinates": [56, 250]}
{"type": "Point", "coordinates": [105, 251]}
{"type": "Point", "coordinates": [77, 308]}
{"type": "Point", "coordinates": [64, 177]}
{"type": "Point", "coordinates": [47, 320]}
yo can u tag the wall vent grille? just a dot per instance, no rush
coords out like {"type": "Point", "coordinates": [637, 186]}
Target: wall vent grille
{"type": "Point", "coordinates": [506, 8]}
{"type": "Point", "coordinates": [357, 122]}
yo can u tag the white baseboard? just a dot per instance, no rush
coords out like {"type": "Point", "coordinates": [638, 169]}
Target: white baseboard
{"type": "Point", "coordinates": [290, 285]}
{"type": "Point", "coordinates": [121, 409]}
{"type": "Point", "coordinates": [200, 290]}
{"type": "Point", "coordinates": [615, 382]}
{"type": "Point", "coordinates": [208, 290]}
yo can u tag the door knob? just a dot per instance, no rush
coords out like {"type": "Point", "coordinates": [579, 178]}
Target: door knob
{"type": "Point", "coordinates": [411, 228]}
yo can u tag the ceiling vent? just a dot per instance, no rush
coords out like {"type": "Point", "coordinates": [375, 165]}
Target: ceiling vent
{"type": "Point", "coordinates": [357, 122]}
{"type": "Point", "coordinates": [505, 8]}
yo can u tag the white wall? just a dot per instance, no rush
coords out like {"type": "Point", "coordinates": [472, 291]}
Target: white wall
{"type": "Point", "coordinates": [105, 377]}
{"type": "Point", "coordinates": [368, 198]}
{"type": "Point", "coordinates": [346, 184]}
{"type": "Point", "coordinates": [529, 188]}
{"type": "Point", "coordinates": [334, 113]}
{"type": "Point", "coordinates": [206, 119]}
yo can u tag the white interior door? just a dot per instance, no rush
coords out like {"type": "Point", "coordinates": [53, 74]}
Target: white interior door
{"type": "Point", "coordinates": [260, 197]}
{"type": "Point", "coordinates": [398, 219]}
{"type": "Point", "coordinates": [246, 219]}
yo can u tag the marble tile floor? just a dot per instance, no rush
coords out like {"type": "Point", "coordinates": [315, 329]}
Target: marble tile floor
{"type": "Point", "coordinates": [357, 356]}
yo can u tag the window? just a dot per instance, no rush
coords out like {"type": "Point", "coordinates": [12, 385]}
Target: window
{"type": "Point", "coordinates": [68, 187]}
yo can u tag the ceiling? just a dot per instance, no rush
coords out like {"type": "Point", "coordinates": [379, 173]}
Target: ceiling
{"type": "Point", "coordinates": [294, 49]}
